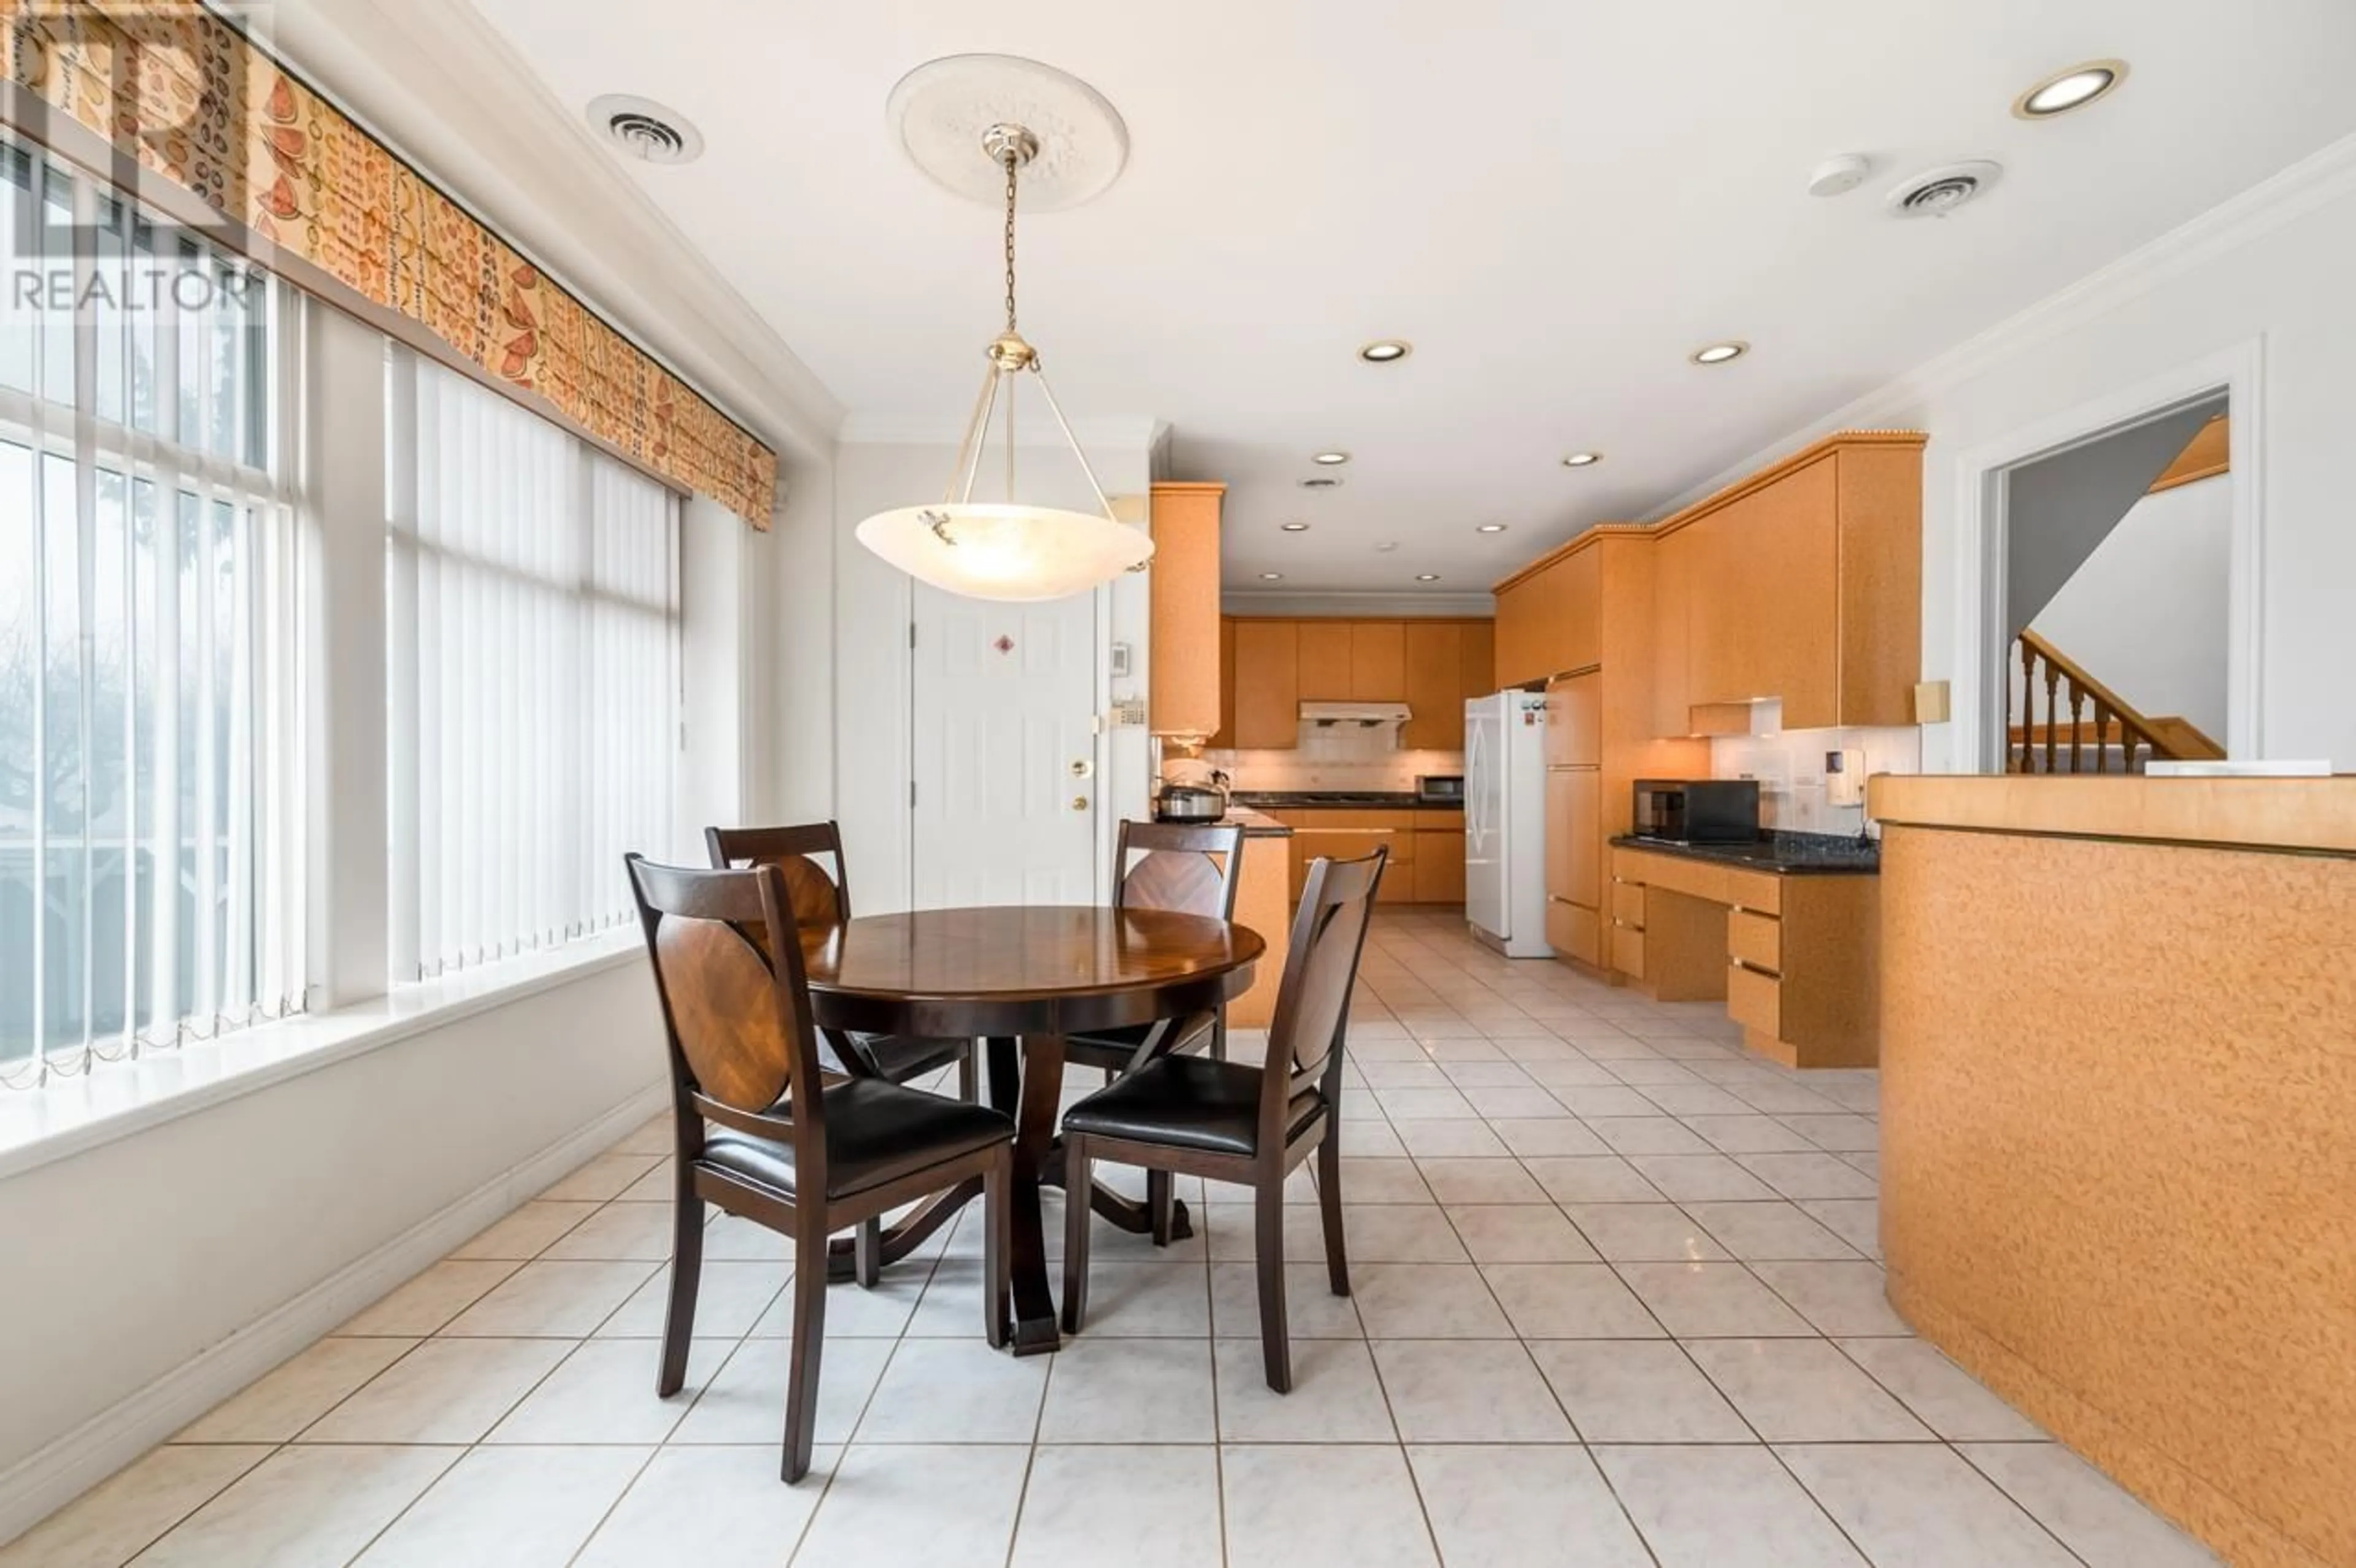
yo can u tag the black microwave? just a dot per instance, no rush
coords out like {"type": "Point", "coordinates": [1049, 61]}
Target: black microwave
{"type": "Point", "coordinates": [1697, 811]}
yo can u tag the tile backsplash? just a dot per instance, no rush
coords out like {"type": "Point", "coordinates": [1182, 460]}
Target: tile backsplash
{"type": "Point", "coordinates": [1340, 758]}
{"type": "Point", "coordinates": [1790, 767]}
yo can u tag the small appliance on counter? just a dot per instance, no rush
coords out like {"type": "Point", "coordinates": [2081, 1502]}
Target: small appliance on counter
{"type": "Point", "coordinates": [1189, 790]}
{"type": "Point", "coordinates": [1439, 789]}
{"type": "Point", "coordinates": [1697, 811]}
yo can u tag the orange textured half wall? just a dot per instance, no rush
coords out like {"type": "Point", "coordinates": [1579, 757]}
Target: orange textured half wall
{"type": "Point", "coordinates": [2118, 1149]}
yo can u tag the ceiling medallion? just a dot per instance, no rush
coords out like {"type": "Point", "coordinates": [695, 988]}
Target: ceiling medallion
{"type": "Point", "coordinates": [1011, 550]}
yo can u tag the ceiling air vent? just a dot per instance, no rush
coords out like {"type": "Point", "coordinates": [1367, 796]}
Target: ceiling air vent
{"type": "Point", "coordinates": [646, 130]}
{"type": "Point", "coordinates": [1935, 193]}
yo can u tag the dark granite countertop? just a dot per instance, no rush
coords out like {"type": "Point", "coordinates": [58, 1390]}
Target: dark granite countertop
{"type": "Point", "coordinates": [1786, 854]}
{"type": "Point", "coordinates": [1254, 825]}
{"type": "Point", "coordinates": [1375, 800]}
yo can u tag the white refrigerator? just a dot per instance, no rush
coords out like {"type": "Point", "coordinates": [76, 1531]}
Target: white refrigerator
{"type": "Point", "coordinates": [1505, 822]}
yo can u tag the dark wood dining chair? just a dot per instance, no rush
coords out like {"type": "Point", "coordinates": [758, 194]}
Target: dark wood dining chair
{"type": "Point", "coordinates": [763, 1134]}
{"type": "Point", "coordinates": [817, 876]}
{"type": "Point", "coordinates": [1187, 869]}
{"type": "Point", "coordinates": [1254, 1125]}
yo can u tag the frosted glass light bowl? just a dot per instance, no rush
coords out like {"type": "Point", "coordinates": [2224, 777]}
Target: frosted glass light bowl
{"type": "Point", "coordinates": [1003, 551]}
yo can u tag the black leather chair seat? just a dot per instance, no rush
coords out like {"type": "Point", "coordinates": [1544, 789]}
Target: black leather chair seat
{"type": "Point", "coordinates": [876, 1133]}
{"type": "Point", "coordinates": [1187, 1102]}
{"type": "Point", "coordinates": [900, 1057]}
{"type": "Point", "coordinates": [1113, 1047]}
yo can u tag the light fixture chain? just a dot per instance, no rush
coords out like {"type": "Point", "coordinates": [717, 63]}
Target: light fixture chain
{"type": "Point", "coordinates": [1014, 159]}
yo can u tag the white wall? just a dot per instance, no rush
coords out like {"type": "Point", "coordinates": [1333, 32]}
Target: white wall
{"type": "Point", "coordinates": [126, 1260]}
{"type": "Point", "coordinates": [795, 705]}
{"type": "Point", "coordinates": [2270, 267]}
{"type": "Point", "coordinates": [2145, 614]}
{"type": "Point", "coordinates": [1790, 767]}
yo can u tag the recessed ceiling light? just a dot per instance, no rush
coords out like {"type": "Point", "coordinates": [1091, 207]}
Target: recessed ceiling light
{"type": "Point", "coordinates": [1589, 459]}
{"type": "Point", "coordinates": [1386, 547]}
{"type": "Point", "coordinates": [2072, 88]}
{"type": "Point", "coordinates": [1490, 528]}
{"type": "Point", "coordinates": [1321, 482]}
{"type": "Point", "coordinates": [1385, 351]}
{"type": "Point", "coordinates": [1271, 577]}
{"type": "Point", "coordinates": [1719, 353]}
{"type": "Point", "coordinates": [1330, 459]}
{"type": "Point", "coordinates": [1294, 528]}
{"type": "Point", "coordinates": [1427, 577]}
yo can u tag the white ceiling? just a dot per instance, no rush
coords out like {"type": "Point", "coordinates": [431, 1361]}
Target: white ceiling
{"type": "Point", "coordinates": [1555, 201]}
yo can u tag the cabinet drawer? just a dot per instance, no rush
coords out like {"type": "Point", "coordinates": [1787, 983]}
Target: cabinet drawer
{"type": "Point", "coordinates": [1761, 890]}
{"type": "Point", "coordinates": [1628, 902]}
{"type": "Point", "coordinates": [1756, 940]}
{"type": "Point", "coordinates": [1628, 950]}
{"type": "Point", "coordinates": [1575, 931]}
{"type": "Point", "coordinates": [1755, 1000]}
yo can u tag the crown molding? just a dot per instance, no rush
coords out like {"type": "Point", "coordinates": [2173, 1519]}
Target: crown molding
{"type": "Point", "coordinates": [2316, 180]}
{"type": "Point", "coordinates": [436, 83]}
{"type": "Point", "coordinates": [1125, 431]}
{"type": "Point", "coordinates": [1380, 603]}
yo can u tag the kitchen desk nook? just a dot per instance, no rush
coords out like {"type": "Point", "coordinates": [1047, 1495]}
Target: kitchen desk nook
{"type": "Point", "coordinates": [1781, 927]}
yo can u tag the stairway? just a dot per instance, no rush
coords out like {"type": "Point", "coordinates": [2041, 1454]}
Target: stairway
{"type": "Point", "coordinates": [2087, 727]}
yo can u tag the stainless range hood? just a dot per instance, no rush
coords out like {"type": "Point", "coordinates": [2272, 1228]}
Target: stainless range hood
{"type": "Point", "coordinates": [1353, 715]}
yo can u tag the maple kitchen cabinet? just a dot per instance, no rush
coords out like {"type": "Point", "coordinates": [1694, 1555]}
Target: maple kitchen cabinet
{"type": "Point", "coordinates": [1324, 660]}
{"type": "Point", "coordinates": [1803, 583]}
{"type": "Point", "coordinates": [1224, 737]}
{"type": "Point", "coordinates": [1268, 684]}
{"type": "Point", "coordinates": [1183, 666]}
{"type": "Point", "coordinates": [1274, 666]}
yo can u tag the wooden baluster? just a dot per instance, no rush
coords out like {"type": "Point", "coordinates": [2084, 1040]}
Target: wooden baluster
{"type": "Point", "coordinates": [2030, 707]}
{"type": "Point", "coordinates": [2077, 728]}
{"type": "Point", "coordinates": [2102, 737]}
{"type": "Point", "coordinates": [2052, 713]}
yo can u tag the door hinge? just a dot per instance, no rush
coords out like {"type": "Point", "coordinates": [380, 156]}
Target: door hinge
{"type": "Point", "coordinates": [912, 795]}
{"type": "Point", "coordinates": [912, 634]}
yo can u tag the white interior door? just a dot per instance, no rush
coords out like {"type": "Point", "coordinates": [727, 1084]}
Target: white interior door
{"type": "Point", "coordinates": [1004, 751]}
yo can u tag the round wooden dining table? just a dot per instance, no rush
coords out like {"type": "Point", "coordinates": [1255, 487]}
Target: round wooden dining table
{"type": "Point", "coordinates": [1020, 979]}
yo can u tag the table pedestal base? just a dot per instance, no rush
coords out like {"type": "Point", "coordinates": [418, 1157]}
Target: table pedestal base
{"type": "Point", "coordinates": [1029, 1087]}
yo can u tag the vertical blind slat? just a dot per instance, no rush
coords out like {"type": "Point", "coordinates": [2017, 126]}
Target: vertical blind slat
{"type": "Point", "coordinates": [541, 633]}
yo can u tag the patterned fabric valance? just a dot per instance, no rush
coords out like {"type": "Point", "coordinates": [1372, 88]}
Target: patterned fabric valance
{"type": "Point", "coordinates": [198, 102]}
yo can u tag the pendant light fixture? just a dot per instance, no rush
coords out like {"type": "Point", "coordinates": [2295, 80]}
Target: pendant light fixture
{"type": "Point", "coordinates": [1007, 548]}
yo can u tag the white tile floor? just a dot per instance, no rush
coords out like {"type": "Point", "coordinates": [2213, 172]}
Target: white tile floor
{"type": "Point", "coordinates": [1616, 1302]}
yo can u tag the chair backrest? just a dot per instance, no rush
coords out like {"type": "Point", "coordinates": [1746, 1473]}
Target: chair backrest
{"type": "Point", "coordinates": [818, 878]}
{"type": "Point", "coordinates": [1184, 867]}
{"type": "Point", "coordinates": [1312, 1004]}
{"type": "Point", "coordinates": [735, 999]}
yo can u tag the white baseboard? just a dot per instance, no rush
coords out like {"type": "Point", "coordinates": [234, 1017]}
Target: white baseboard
{"type": "Point", "coordinates": [46, 1481]}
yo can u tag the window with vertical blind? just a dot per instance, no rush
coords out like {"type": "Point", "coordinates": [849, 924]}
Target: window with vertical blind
{"type": "Point", "coordinates": [150, 822]}
{"type": "Point", "coordinates": [532, 614]}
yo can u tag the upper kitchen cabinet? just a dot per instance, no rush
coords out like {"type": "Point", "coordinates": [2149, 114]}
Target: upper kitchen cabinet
{"type": "Point", "coordinates": [1477, 658]}
{"type": "Point", "coordinates": [1550, 617]}
{"type": "Point", "coordinates": [1432, 666]}
{"type": "Point", "coordinates": [1352, 661]}
{"type": "Point", "coordinates": [1182, 685]}
{"type": "Point", "coordinates": [1447, 663]}
{"type": "Point", "coordinates": [1803, 583]}
{"type": "Point", "coordinates": [1268, 684]}
{"type": "Point", "coordinates": [1434, 651]}
{"type": "Point", "coordinates": [1377, 661]}
{"type": "Point", "coordinates": [1324, 661]}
